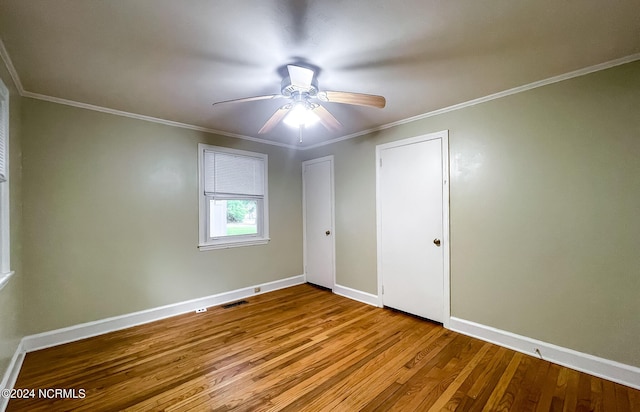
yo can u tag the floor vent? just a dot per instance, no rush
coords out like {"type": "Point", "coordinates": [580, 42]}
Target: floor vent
{"type": "Point", "coordinates": [232, 304]}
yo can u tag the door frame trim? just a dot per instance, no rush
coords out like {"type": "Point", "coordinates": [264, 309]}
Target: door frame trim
{"type": "Point", "coordinates": [444, 137]}
{"type": "Point", "coordinates": [333, 215]}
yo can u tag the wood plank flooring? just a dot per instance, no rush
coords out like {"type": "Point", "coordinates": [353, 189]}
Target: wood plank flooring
{"type": "Point", "coordinates": [305, 349]}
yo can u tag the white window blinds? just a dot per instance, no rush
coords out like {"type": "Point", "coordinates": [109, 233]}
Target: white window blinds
{"type": "Point", "coordinates": [233, 174]}
{"type": "Point", "coordinates": [4, 132]}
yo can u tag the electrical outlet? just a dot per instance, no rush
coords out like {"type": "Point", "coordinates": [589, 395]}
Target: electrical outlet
{"type": "Point", "coordinates": [256, 290]}
{"type": "Point", "coordinates": [201, 310]}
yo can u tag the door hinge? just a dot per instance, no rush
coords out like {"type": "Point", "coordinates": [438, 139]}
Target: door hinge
{"type": "Point", "coordinates": [380, 162]}
{"type": "Point", "coordinates": [383, 289]}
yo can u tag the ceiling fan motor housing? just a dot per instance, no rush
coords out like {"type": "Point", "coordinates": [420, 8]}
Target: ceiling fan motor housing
{"type": "Point", "coordinates": [287, 89]}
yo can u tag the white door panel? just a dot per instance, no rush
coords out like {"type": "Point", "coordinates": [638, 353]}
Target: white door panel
{"type": "Point", "coordinates": [318, 226]}
{"type": "Point", "coordinates": [410, 202]}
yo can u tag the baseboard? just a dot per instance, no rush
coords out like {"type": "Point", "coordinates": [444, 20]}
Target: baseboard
{"type": "Point", "coordinates": [86, 330]}
{"type": "Point", "coordinates": [11, 374]}
{"type": "Point", "coordinates": [604, 368]}
{"type": "Point", "coordinates": [358, 295]}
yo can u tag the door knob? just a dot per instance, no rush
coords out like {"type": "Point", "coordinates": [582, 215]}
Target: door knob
{"type": "Point", "coordinates": [436, 242]}
{"type": "Point", "coordinates": [328, 232]}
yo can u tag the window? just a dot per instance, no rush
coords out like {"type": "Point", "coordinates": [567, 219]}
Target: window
{"type": "Point", "coordinates": [233, 198]}
{"type": "Point", "coordinates": [5, 249]}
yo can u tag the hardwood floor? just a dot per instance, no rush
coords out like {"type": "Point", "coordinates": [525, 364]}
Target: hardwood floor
{"type": "Point", "coordinates": [305, 349]}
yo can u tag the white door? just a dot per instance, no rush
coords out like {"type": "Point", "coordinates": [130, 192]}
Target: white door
{"type": "Point", "coordinates": [319, 247]}
{"type": "Point", "coordinates": [411, 226]}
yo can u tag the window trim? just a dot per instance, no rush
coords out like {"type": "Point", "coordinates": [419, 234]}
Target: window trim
{"type": "Point", "coordinates": [205, 243]}
{"type": "Point", "coordinates": [5, 204]}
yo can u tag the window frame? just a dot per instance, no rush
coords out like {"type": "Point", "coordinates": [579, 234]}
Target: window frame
{"type": "Point", "coordinates": [5, 205]}
{"type": "Point", "coordinates": [207, 242]}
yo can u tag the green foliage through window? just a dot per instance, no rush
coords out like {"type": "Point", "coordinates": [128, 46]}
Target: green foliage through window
{"type": "Point", "coordinates": [237, 210]}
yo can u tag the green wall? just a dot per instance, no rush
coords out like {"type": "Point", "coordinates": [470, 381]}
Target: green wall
{"type": "Point", "coordinates": [545, 206]}
{"type": "Point", "coordinates": [111, 217]}
{"type": "Point", "coordinates": [11, 296]}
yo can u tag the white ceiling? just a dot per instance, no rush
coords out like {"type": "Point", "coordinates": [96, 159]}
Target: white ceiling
{"type": "Point", "coordinates": [172, 59]}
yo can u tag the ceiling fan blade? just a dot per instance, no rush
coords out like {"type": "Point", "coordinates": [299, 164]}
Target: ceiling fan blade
{"type": "Point", "coordinates": [301, 77]}
{"type": "Point", "coordinates": [275, 119]}
{"type": "Point", "coordinates": [327, 118]}
{"type": "Point", "coordinates": [353, 98]}
{"type": "Point", "coordinates": [250, 99]}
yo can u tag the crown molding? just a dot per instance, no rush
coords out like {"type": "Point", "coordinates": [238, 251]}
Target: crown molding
{"type": "Point", "coordinates": [555, 79]}
{"type": "Point", "coordinates": [151, 119]}
{"type": "Point", "coordinates": [494, 96]}
{"type": "Point", "coordinates": [4, 54]}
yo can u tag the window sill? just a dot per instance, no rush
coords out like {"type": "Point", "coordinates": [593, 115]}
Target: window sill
{"type": "Point", "coordinates": [4, 278]}
{"type": "Point", "coordinates": [227, 245]}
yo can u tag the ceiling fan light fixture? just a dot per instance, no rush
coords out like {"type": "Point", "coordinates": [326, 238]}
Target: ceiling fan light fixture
{"type": "Point", "coordinates": [301, 115]}
{"type": "Point", "coordinates": [300, 86]}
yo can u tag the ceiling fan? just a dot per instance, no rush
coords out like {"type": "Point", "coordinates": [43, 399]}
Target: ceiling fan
{"type": "Point", "coordinates": [303, 108]}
